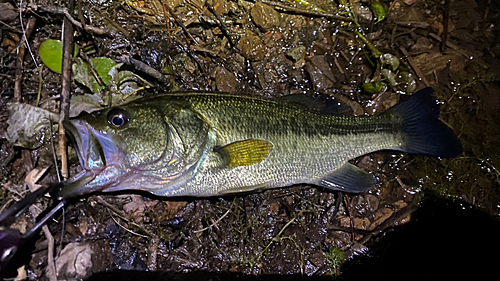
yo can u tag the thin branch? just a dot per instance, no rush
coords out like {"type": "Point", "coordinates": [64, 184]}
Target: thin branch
{"type": "Point", "coordinates": [391, 221]}
{"type": "Point", "coordinates": [139, 65]}
{"type": "Point", "coordinates": [221, 24]}
{"type": "Point", "coordinates": [51, 265]}
{"type": "Point", "coordinates": [414, 66]}
{"type": "Point", "coordinates": [67, 38]}
{"type": "Point", "coordinates": [67, 14]}
{"type": "Point", "coordinates": [179, 22]}
{"type": "Point", "coordinates": [278, 5]}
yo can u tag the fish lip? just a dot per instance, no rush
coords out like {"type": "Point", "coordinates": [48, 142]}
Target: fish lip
{"type": "Point", "coordinates": [90, 146]}
{"type": "Point", "coordinates": [77, 139]}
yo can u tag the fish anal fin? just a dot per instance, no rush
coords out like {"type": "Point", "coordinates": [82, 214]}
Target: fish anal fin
{"type": "Point", "coordinates": [246, 152]}
{"type": "Point", "coordinates": [348, 178]}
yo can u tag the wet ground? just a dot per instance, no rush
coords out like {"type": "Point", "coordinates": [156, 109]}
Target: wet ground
{"type": "Point", "coordinates": [364, 54]}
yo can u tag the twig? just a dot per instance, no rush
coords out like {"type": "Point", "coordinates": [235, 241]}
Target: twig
{"type": "Point", "coordinates": [40, 86]}
{"type": "Point", "coordinates": [113, 23]}
{"type": "Point", "coordinates": [105, 203]}
{"type": "Point", "coordinates": [26, 154]}
{"type": "Point", "coordinates": [67, 38]}
{"type": "Point", "coordinates": [153, 254]}
{"type": "Point", "coordinates": [67, 14]}
{"type": "Point", "coordinates": [124, 217]}
{"type": "Point", "coordinates": [446, 18]}
{"type": "Point", "coordinates": [221, 23]}
{"type": "Point", "coordinates": [139, 65]}
{"type": "Point", "coordinates": [51, 266]}
{"type": "Point", "coordinates": [179, 22]}
{"type": "Point", "coordinates": [276, 238]}
{"type": "Point", "coordinates": [413, 65]}
{"type": "Point", "coordinates": [347, 229]}
{"type": "Point", "coordinates": [167, 22]}
{"type": "Point", "coordinates": [218, 220]}
{"type": "Point", "coordinates": [458, 50]}
{"type": "Point", "coordinates": [396, 217]}
{"type": "Point", "coordinates": [126, 229]}
{"type": "Point", "coordinates": [303, 11]}
{"type": "Point", "coordinates": [351, 218]}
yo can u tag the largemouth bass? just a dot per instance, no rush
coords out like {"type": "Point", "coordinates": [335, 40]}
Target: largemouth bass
{"type": "Point", "coordinates": [207, 144]}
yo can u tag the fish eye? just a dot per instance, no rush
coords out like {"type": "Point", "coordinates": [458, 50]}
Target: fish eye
{"type": "Point", "coordinates": [118, 118]}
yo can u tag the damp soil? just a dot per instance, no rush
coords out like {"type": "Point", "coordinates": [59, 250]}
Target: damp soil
{"type": "Point", "coordinates": [270, 49]}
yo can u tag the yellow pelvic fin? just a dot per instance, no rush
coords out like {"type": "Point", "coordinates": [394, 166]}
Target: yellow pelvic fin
{"type": "Point", "coordinates": [247, 152]}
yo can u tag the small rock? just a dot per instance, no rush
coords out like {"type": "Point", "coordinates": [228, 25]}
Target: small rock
{"type": "Point", "coordinates": [275, 207]}
{"type": "Point", "coordinates": [9, 13]}
{"type": "Point", "coordinates": [372, 202]}
{"type": "Point", "coordinates": [225, 81]}
{"type": "Point", "coordinates": [221, 7]}
{"type": "Point", "coordinates": [251, 47]}
{"type": "Point", "coordinates": [265, 16]}
{"type": "Point", "coordinates": [298, 53]}
{"type": "Point", "coordinates": [318, 259]}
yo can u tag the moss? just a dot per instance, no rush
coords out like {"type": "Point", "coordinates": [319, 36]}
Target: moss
{"type": "Point", "coordinates": [334, 257]}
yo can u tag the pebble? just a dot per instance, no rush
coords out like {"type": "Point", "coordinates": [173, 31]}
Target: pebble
{"type": "Point", "coordinates": [225, 81]}
{"type": "Point", "coordinates": [251, 47]}
{"type": "Point", "coordinates": [265, 16]}
{"type": "Point", "coordinates": [298, 53]}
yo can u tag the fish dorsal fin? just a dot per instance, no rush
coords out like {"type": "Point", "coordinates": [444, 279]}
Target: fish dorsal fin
{"type": "Point", "coordinates": [246, 152]}
{"type": "Point", "coordinates": [322, 104]}
{"type": "Point", "coordinates": [348, 178]}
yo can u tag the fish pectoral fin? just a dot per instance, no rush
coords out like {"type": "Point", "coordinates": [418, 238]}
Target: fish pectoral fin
{"type": "Point", "coordinates": [243, 153]}
{"type": "Point", "coordinates": [348, 178]}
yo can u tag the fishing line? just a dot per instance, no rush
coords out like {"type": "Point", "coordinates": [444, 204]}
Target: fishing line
{"type": "Point", "coordinates": [24, 32]}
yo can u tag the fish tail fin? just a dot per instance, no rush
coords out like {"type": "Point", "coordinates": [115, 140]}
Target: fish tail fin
{"type": "Point", "coordinates": [425, 133]}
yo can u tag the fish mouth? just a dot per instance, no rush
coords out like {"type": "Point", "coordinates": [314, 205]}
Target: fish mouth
{"type": "Point", "coordinates": [96, 151]}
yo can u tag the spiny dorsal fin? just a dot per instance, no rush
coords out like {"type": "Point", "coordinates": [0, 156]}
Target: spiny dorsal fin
{"type": "Point", "coordinates": [243, 153]}
{"type": "Point", "coordinates": [322, 104]}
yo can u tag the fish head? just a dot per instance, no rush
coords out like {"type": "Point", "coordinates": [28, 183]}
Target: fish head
{"type": "Point", "coordinates": [113, 144]}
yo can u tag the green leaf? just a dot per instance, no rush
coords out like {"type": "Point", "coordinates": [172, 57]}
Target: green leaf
{"type": "Point", "coordinates": [83, 75]}
{"type": "Point", "coordinates": [103, 66]}
{"type": "Point", "coordinates": [373, 87]}
{"type": "Point", "coordinates": [390, 60]}
{"type": "Point", "coordinates": [390, 76]}
{"type": "Point", "coordinates": [50, 53]}
{"type": "Point", "coordinates": [378, 10]}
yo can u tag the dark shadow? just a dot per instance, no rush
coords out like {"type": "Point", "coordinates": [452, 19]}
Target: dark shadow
{"type": "Point", "coordinates": [445, 239]}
